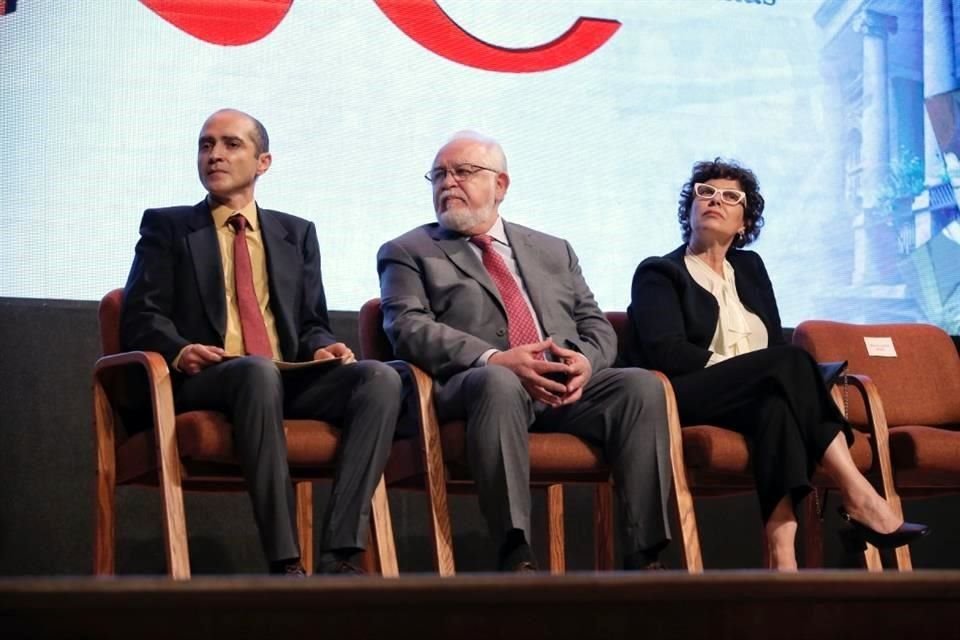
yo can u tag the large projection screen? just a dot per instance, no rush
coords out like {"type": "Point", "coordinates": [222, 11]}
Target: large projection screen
{"type": "Point", "coordinates": [101, 104]}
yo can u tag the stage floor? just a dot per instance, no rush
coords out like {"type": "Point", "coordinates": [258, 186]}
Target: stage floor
{"type": "Point", "coordinates": [723, 604]}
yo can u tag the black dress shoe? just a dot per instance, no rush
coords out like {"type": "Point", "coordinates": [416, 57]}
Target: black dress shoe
{"type": "Point", "coordinates": [518, 559]}
{"type": "Point", "coordinates": [856, 537]}
{"type": "Point", "coordinates": [339, 567]}
{"type": "Point", "coordinates": [339, 562]}
{"type": "Point", "coordinates": [645, 559]}
{"type": "Point", "coordinates": [288, 568]}
{"type": "Point", "coordinates": [524, 567]}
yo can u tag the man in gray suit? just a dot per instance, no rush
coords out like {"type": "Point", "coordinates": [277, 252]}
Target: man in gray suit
{"type": "Point", "coordinates": [501, 316]}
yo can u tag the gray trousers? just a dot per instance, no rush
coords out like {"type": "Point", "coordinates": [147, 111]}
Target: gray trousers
{"type": "Point", "coordinates": [362, 399]}
{"type": "Point", "coordinates": [622, 411]}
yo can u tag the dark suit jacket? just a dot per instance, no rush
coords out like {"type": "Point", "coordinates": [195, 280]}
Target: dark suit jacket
{"type": "Point", "coordinates": [175, 293]}
{"type": "Point", "coordinates": [673, 319]}
{"type": "Point", "coordinates": [442, 310]}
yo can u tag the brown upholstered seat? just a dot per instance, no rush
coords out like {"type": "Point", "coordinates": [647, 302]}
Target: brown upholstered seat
{"type": "Point", "coordinates": [915, 396]}
{"type": "Point", "coordinates": [141, 441]}
{"type": "Point", "coordinates": [716, 462]}
{"type": "Point", "coordinates": [555, 459]}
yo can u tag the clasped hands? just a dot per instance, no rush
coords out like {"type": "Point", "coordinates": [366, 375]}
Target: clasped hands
{"type": "Point", "coordinates": [540, 377]}
{"type": "Point", "coordinates": [196, 357]}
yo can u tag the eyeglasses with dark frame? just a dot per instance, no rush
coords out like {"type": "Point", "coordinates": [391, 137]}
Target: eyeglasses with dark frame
{"type": "Point", "coordinates": [727, 196]}
{"type": "Point", "coordinates": [461, 173]}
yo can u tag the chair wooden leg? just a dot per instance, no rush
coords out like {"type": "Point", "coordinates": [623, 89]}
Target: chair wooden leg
{"type": "Point", "coordinates": [368, 557]}
{"type": "Point", "coordinates": [171, 487]}
{"type": "Point", "coordinates": [555, 529]}
{"type": "Point", "coordinates": [813, 530]}
{"type": "Point", "coordinates": [435, 475]}
{"type": "Point", "coordinates": [877, 419]}
{"type": "Point", "coordinates": [304, 498]}
{"type": "Point", "coordinates": [105, 518]}
{"type": "Point", "coordinates": [603, 526]}
{"type": "Point", "coordinates": [902, 557]}
{"type": "Point", "coordinates": [381, 529]}
{"type": "Point", "coordinates": [872, 560]}
{"type": "Point", "coordinates": [683, 499]}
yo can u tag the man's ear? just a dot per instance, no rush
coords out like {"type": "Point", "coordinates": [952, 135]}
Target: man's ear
{"type": "Point", "coordinates": [503, 183]}
{"type": "Point", "coordinates": [264, 160]}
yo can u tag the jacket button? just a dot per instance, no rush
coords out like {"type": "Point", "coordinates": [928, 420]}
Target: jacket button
{"type": "Point", "coordinates": [501, 332]}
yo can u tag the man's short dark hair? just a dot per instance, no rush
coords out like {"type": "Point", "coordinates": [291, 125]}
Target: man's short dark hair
{"type": "Point", "coordinates": [261, 141]}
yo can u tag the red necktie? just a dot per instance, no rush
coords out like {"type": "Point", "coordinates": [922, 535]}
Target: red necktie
{"type": "Point", "coordinates": [521, 326]}
{"type": "Point", "coordinates": [254, 330]}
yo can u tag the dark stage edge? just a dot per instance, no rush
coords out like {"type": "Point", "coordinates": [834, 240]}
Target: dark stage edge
{"type": "Point", "coordinates": [742, 605]}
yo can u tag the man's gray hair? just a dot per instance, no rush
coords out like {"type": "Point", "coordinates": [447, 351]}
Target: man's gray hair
{"type": "Point", "coordinates": [492, 146]}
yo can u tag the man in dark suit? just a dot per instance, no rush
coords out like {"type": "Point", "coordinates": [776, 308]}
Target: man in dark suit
{"type": "Point", "coordinates": [501, 316]}
{"type": "Point", "coordinates": [227, 278]}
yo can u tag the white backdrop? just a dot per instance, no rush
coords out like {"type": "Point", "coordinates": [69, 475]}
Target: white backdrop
{"type": "Point", "coordinates": [102, 101]}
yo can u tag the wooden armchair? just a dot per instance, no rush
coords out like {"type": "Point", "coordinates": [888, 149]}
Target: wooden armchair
{"type": "Point", "coordinates": [439, 462]}
{"type": "Point", "coordinates": [140, 441]}
{"type": "Point", "coordinates": [920, 408]}
{"type": "Point", "coordinates": [712, 461]}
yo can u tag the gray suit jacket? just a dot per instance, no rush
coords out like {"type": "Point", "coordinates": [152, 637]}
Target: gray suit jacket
{"type": "Point", "coordinates": [442, 310]}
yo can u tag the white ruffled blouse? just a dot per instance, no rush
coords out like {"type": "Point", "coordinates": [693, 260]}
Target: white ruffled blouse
{"type": "Point", "coordinates": [738, 329]}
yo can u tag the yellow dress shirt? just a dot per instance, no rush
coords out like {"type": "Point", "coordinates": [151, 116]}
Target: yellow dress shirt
{"type": "Point", "coordinates": [233, 340]}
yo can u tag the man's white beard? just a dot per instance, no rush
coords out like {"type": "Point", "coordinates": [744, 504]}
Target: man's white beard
{"type": "Point", "coordinates": [459, 221]}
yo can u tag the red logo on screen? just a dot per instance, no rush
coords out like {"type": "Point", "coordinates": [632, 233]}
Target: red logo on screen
{"type": "Point", "coordinates": [226, 22]}
{"type": "Point", "coordinates": [426, 22]}
{"type": "Point", "coordinates": [239, 22]}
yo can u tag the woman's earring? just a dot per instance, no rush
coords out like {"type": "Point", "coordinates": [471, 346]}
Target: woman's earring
{"type": "Point", "coordinates": [741, 235]}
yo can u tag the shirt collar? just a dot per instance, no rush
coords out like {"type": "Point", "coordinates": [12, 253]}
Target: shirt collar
{"type": "Point", "coordinates": [498, 233]}
{"type": "Point", "coordinates": [221, 213]}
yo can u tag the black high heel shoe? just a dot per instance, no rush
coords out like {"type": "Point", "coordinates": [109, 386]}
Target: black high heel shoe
{"type": "Point", "coordinates": [856, 537]}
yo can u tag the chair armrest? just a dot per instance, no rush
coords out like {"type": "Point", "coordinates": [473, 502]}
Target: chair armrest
{"type": "Point", "coordinates": [430, 445]}
{"type": "Point", "coordinates": [436, 472]}
{"type": "Point", "coordinates": [150, 360]}
{"type": "Point", "coordinates": [155, 369]}
{"type": "Point", "coordinates": [692, 558]}
{"type": "Point", "coordinates": [880, 442]}
{"type": "Point", "coordinates": [160, 391]}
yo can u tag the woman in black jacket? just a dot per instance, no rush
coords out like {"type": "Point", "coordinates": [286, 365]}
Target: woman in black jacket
{"type": "Point", "coordinates": [705, 315]}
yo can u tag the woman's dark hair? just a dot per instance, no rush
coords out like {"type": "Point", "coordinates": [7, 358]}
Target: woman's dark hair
{"type": "Point", "coordinates": [719, 168]}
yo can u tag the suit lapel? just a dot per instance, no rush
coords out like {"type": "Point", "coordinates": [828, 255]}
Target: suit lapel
{"type": "Point", "coordinates": [465, 259]}
{"type": "Point", "coordinates": [208, 266]}
{"type": "Point", "coordinates": [527, 255]}
{"type": "Point", "coordinates": [747, 287]}
{"type": "Point", "coordinates": [284, 266]}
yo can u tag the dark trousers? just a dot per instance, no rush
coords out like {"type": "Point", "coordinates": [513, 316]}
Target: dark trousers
{"type": "Point", "coordinates": [622, 411]}
{"type": "Point", "coordinates": [777, 399]}
{"type": "Point", "coordinates": [362, 399]}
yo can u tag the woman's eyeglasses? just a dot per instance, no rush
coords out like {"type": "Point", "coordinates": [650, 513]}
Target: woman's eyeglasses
{"type": "Point", "coordinates": [727, 196]}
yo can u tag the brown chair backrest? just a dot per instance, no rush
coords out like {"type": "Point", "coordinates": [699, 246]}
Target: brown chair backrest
{"type": "Point", "coordinates": [920, 386]}
{"type": "Point", "coordinates": [109, 312]}
{"type": "Point", "coordinates": [374, 344]}
{"type": "Point", "coordinates": [621, 325]}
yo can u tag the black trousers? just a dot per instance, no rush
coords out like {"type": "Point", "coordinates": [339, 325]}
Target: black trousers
{"type": "Point", "coordinates": [362, 399]}
{"type": "Point", "coordinates": [777, 399]}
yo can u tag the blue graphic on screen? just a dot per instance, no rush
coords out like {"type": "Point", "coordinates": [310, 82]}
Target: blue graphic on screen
{"type": "Point", "coordinates": [840, 107]}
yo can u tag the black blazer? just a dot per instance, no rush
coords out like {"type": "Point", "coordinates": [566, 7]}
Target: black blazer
{"type": "Point", "coordinates": [673, 319]}
{"type": "Point", "coordinates": [175, 293]}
